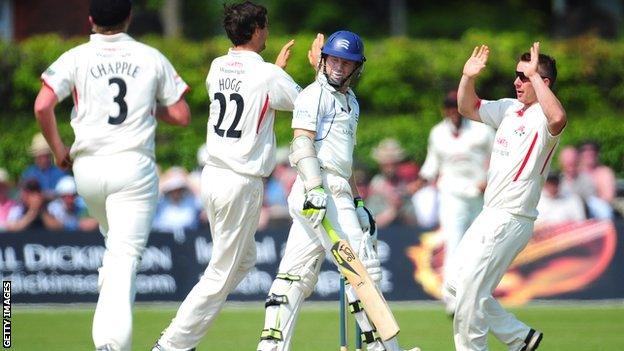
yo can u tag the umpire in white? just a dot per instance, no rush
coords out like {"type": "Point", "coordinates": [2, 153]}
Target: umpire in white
{"type": "Point", "coordinates": [119, 88]}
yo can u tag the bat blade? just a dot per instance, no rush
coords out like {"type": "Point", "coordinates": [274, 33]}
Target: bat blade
{"type": "Point", "coordinates": [375, 305]}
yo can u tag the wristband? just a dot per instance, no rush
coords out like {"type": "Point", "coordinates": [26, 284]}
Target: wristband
{"type": "Point", "coordinates": [358, 201]}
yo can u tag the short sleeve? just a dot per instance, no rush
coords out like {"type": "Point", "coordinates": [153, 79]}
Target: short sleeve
{"type": "Point", "coordinates": [306, 112]}
{"type": "Point", "coordinates": [60, 75]}
{"type": "Point", "coordinates": [171, 87]}
{"type": "Point", "coordinates": [431, 166]}
{"type": "Point", "coordinates": [283, 90]}
{"type": "Point", "coordinates": [493, 112]}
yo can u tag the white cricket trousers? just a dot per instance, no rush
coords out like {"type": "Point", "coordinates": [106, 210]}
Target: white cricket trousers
{"type": "Point", "coordinates": [306, 247]}
{"type": "Point", "coordinates": [233, 203]}
{"type": "Point", "coordinates": [456, 215]}
{"type": "Point", "coordinates": [121, 192]}
{"type": "Point", "coordinates": [485, 252]}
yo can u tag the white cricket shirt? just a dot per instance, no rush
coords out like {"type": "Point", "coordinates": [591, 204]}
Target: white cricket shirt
{"type": "Point", "coordinates": [116, 83]}
{"type": "Point", "coordinates": [458, 156]}
{"type": "Point", "coordinates": [521, 155]}
{"type": "Point", "coordinates": [334, 117]}
{"type": "Point", "coordinates": [244, 93]}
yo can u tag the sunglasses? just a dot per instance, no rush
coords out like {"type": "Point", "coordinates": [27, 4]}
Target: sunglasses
{"type": "Point", "coordinates": [523, 78]}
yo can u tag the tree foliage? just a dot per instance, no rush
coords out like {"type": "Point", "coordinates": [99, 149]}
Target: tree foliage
{"type": "Point", "coordinates": [400, 92]}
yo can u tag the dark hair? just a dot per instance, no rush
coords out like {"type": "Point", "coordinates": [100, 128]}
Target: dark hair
{"type": "Point", "coordinates": [553, 177]}
{"type": "Point", "coordinates": [110, 13]}
{"type": "Point", "coordinates": [590, 144]}
{"type": "Point", "coordinates": [546, 66]}
{"type": "Point", "coordinates": [241, 20]}
{"type": "Point", "coordinates": [450, 100]}
{"type": "Point", "coordinates": [31, 184]}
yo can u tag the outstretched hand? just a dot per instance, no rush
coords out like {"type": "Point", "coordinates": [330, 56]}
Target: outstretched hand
{"type": "Point", "coordinates": [531, 68]}
{"type": "Point", "coordinates": [314, 54]}
{"type": "Point", "coordinates": [284, 55]}
{"type": "Point", "coordinates": [476, 62]}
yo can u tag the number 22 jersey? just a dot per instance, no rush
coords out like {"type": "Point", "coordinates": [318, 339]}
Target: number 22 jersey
{"type": "Point", "coordinates": [244, 93]}
{"type": "Point", "coordinates": [116, 84]}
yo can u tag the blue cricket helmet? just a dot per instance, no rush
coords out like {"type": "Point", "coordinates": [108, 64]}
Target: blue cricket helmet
{"type": "Point", "coordinates": [346, 45]}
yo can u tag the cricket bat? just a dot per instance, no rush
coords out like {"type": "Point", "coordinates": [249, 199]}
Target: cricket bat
{"type": "Point", "coordinates": [351, 267]}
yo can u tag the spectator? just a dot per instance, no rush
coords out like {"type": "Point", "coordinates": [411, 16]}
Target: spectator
{"type": "Point", "coordinates": [68, 211]}
{"type": "Point", "coordinates": [276, 189]}
{"type": "Point", "coordinates": [557, 207]}
{"type": "Point", "coordinates": [581, 183]}
{"type": "Point", "coordinates": [602, 176]}
{"type": "Point", "coordinates": [43, 170]}
{"type": "Point", "coordinates": [389, 198]}
{"type": "Point", "coordinates": [362, 180]}
{"type": "Point", "coordinates": [6, 203]}
{"type": "Point", "coordinates": [27, 212]}
{"type": "Point", "coordinates": [283, 172]}
{"type": "Point", "coordinates": [177, 209]}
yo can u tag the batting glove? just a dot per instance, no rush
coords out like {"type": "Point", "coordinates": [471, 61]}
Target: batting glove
{"type": "Point", "coordinates": [315, 206]}
{"type": "Point", "coordinates": [367, 222]}
{"type": "Point", "coordinates": [367, 252]}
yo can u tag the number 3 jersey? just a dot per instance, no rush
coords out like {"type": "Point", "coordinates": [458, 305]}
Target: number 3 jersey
{"type": "Point", "coordinates": [244, 93]}
{"type": "Point", "coordinates": [116, 83]}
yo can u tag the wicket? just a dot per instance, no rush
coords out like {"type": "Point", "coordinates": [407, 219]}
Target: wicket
{"type": "Point", "coordinates": [344, 344]}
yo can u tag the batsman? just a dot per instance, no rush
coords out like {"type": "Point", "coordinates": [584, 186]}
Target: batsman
{"type": "Point", "coordinates": [324, 197]}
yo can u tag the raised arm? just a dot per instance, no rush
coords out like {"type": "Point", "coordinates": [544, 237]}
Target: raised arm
{"type": "Point", "coordinates": [555, 114]}
{"type": "Point", "coordinates": [314, 54]}
{"type": "Point", "coordinates": [467, 99]}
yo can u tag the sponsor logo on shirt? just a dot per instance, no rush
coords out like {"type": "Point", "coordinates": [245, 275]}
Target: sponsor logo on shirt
{"type": "Point", "coordinates": [502, 141]}
{"type": "Point", "coordinates": [520, 131]}
{"type": "Point", "coordinates": [500, 146]}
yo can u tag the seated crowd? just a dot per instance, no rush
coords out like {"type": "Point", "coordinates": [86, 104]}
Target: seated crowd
{"type": "Point", "coordinates": [46, 197]}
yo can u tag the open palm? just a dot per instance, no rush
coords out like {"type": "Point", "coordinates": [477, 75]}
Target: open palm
{"type": "Point", "coordinates": [477, 61]}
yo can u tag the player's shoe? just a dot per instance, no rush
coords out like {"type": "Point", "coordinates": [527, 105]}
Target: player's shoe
{"type": "Point", "coordinates": [106, 347]}
{"type": "Point", "coordinates": [532, 341]}
{"type": "Point", "coordinates": [414, 349]}
{"type": "Point", "coordinates": [158, 347]}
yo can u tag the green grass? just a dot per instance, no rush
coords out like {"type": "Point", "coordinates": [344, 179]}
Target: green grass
{"type": "Point", "coordinates": [566, 327]}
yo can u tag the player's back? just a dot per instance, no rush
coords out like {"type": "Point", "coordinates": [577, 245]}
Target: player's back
{"type": "Point", "coordinates": [115, 82]}
{"type": "Point", "coordinates": [244, 93]}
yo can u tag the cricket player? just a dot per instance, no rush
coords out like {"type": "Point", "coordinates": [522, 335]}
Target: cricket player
{"type": "Point", "coordinates": [324, 121]}
{"type": "Point", "coordinates": [244, 94]}
{"type": "Point", "coordinates": [457, 156]}
{"type": "Point", "coordinates": [527, 131]}
{"type": "Point", "coordinates": [119, 87]}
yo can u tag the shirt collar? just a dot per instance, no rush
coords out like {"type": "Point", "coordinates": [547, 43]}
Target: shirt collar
{"type": "Point", "coordinates": [245, 53]}
{"type": "Point", "coordinates": [110, 38]}
{"type": "Point", "coordinates": [462, 124]}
